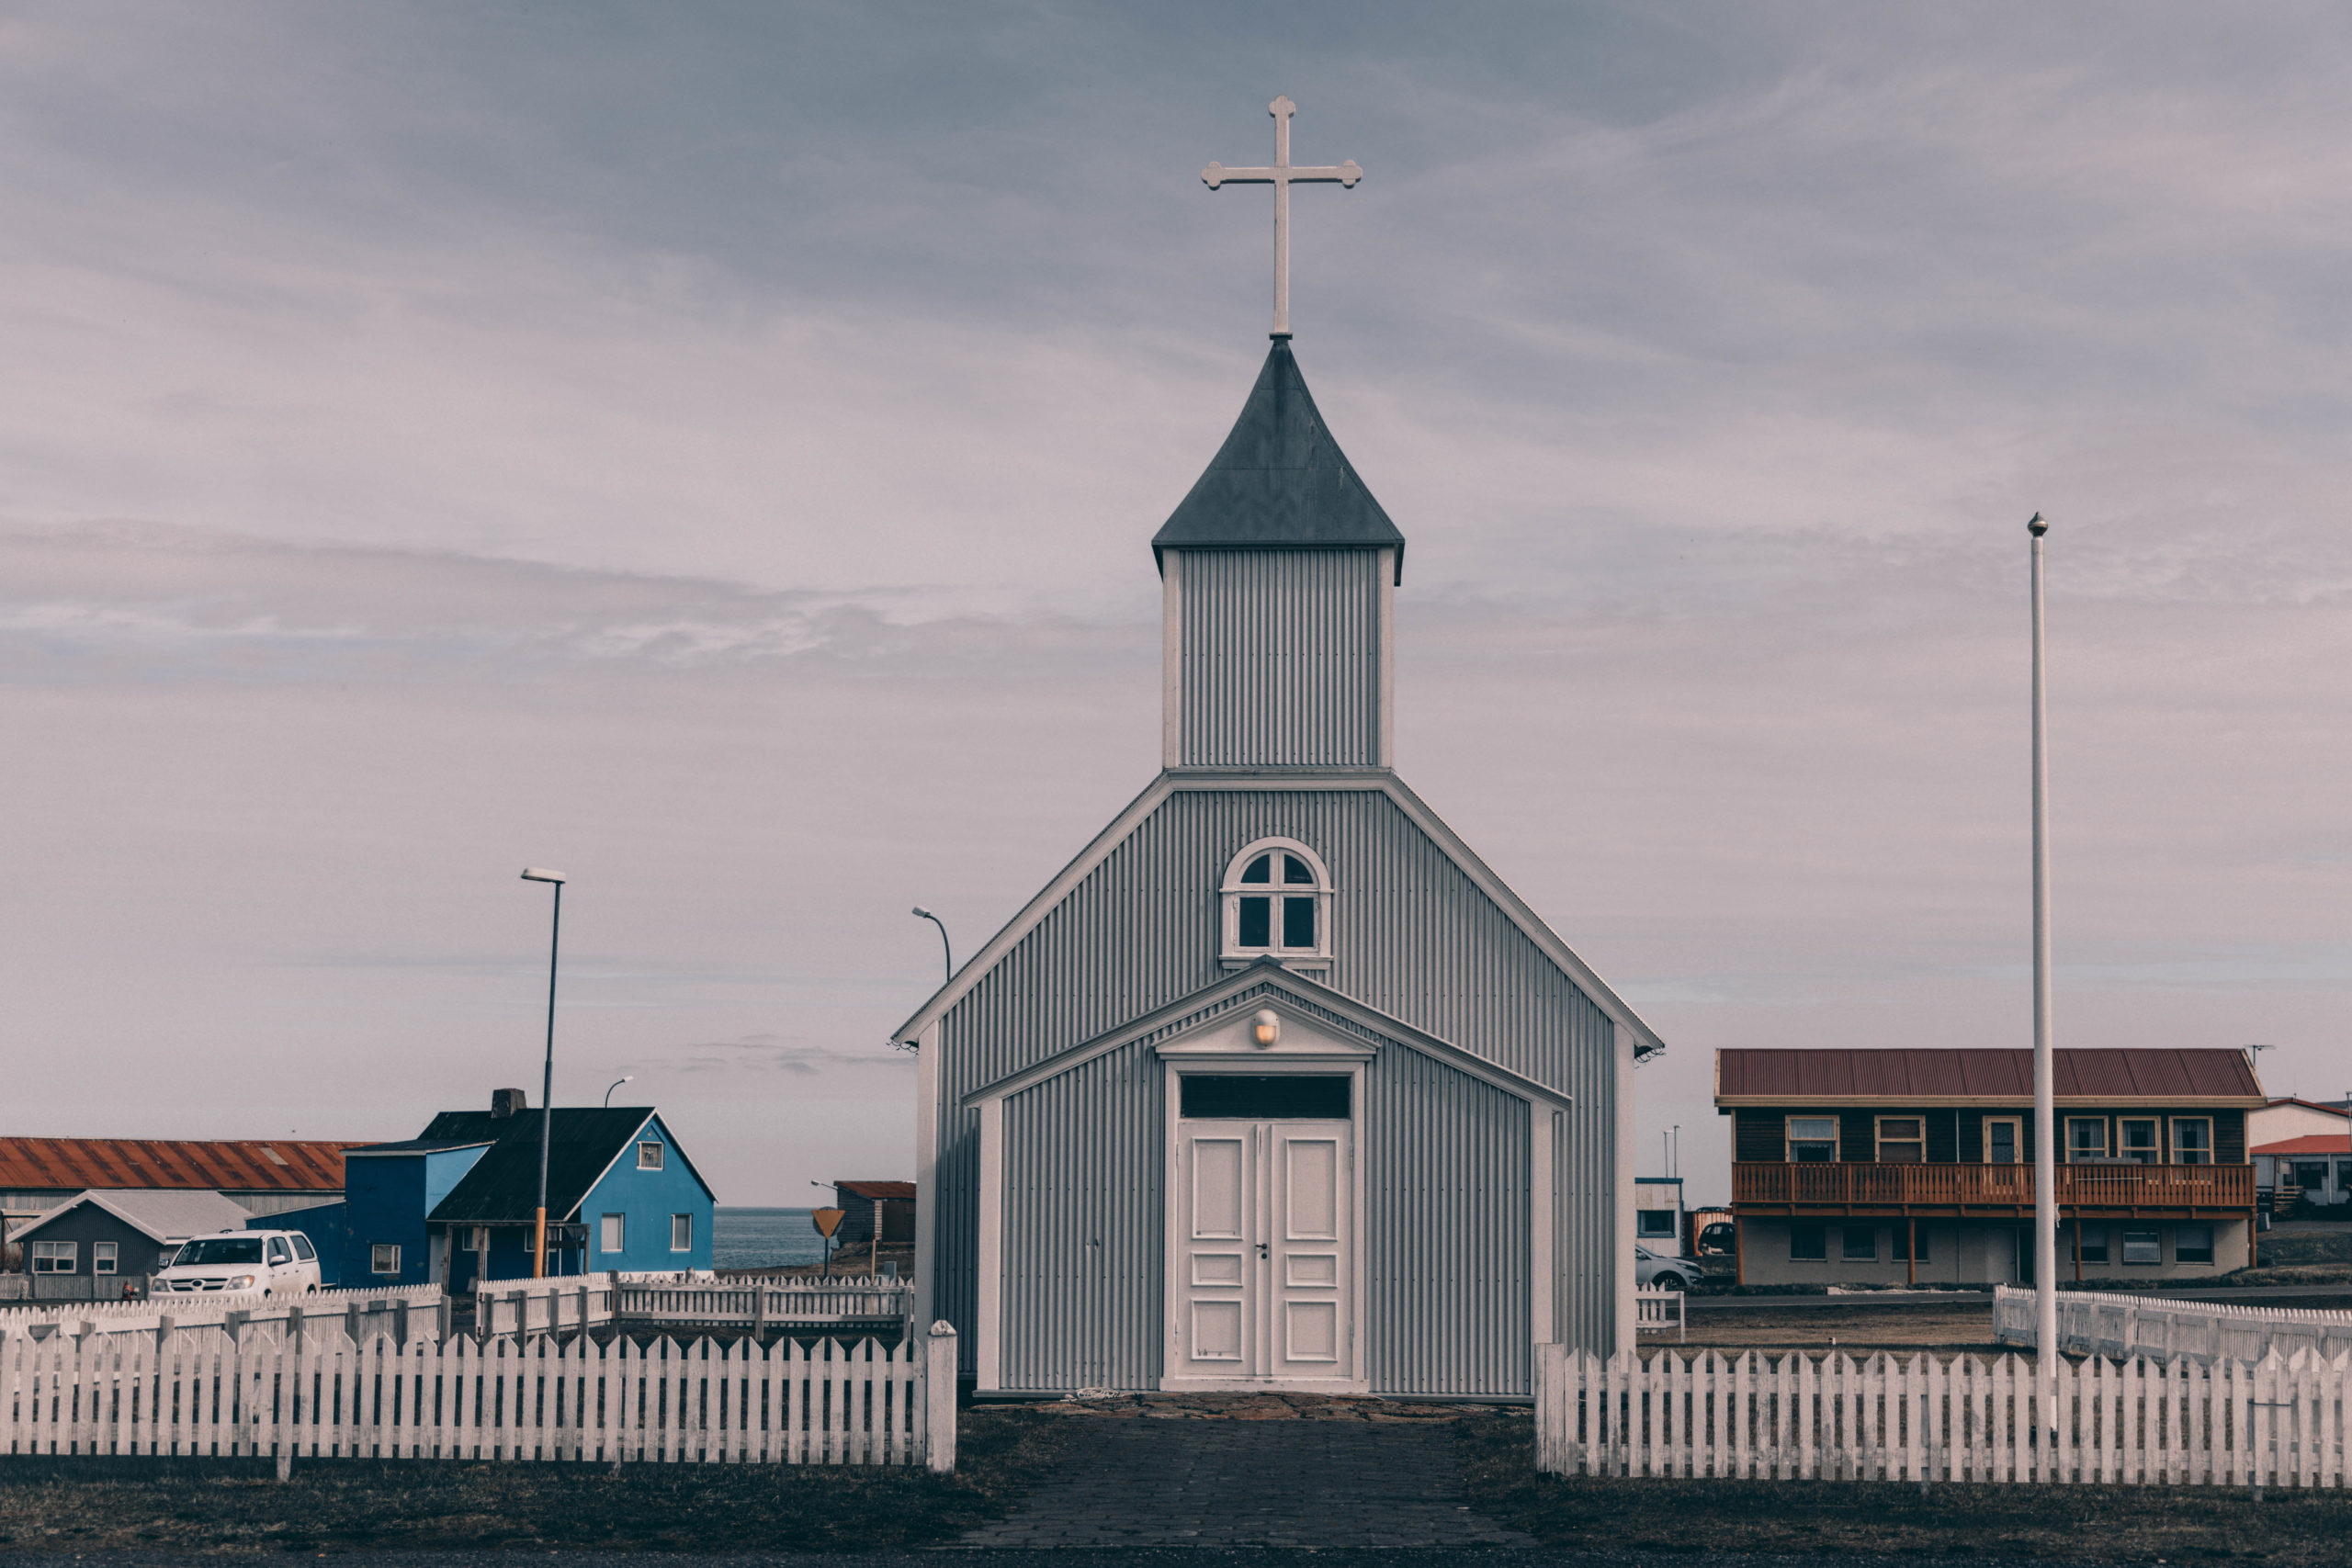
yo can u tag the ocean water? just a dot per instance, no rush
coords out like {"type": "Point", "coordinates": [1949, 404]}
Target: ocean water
{"type": "Point", "coordinates": [763, 1238]}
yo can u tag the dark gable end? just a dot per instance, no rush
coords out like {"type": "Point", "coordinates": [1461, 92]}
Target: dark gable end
{"type": "Point", "coordinates": [502, 1188]}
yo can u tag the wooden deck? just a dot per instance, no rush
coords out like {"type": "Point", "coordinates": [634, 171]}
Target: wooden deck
{"type": "Point", "coordinates": [1995, 1191]}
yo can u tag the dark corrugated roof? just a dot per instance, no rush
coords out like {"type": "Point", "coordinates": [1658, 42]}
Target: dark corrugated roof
{"type": "Point", "coordinates": [502, 1188]}
{"type": "Point", "coordinates": [870, 1190]}
{"type": "Point", "coordinates": [1280, 481]}
{"type": "Point", "coordinates": [2093, 1074]}
{"type": "Point", "coordinates": [227, 1165]}
{"type": "Point", "coordinates": [418, 1147]}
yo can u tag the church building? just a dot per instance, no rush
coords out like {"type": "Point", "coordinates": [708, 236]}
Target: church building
{"type": "Point", "coordinates": [1276, 1085]}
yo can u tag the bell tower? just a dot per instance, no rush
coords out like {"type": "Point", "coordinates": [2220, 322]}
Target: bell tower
{"type": "Point", "coordinates": [1279, 573]}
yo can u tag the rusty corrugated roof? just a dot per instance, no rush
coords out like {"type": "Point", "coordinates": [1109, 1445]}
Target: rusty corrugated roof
{"type": "Point", "coordinates": [277, 1164]}
{"type": "Point", "coordinates": [871, 1190]}
{"type": "Point", "coordinates": [2309, 1143]}
{"type": "Point", "coordinates": [1930, 1077]}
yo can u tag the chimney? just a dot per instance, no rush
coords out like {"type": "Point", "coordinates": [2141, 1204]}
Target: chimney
{"type": "Point", "coordinates": [505, 1102]}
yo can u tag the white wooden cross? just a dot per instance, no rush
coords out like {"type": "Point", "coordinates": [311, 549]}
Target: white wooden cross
{"type": "Point", "coordinates": [1282, 176]}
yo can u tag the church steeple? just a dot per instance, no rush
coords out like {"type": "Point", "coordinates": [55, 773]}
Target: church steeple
{"type": "Point", "coordinates": [1279, 572]}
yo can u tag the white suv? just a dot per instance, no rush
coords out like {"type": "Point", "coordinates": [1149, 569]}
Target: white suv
{"type": "Point", "coordinates": [274, 1263]}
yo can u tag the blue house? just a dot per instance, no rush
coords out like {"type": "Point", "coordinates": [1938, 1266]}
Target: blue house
{"type": "Point", "coordinates": [390, 1189]}
{"type": "Point", "coordinates": [621, 1188]}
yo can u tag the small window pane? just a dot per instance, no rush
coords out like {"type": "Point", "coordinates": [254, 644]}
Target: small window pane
{"type": "Point", "coordinates": [2139, 1141]}
{"type": "Point", "coordinates": [1256, 926]}
{"type": "Point", "coordinates": [1273, 1097]}
{"type": "Point", "coordinates": [2000, 1142]}
{"type": "Point", "coordinates": [614, 1233]}
{"type": "Point", "coordinates": [2192, 1141]}
{"type": "Point", "coordinates": [2094, 1243]}
{"type": "Point", "coordinates": [1260, 870]}
{"type": "Point", "coordinates": [1813, 1127]}
{"type": "Point", "coordinates": [384, 1257]}
{"type": "Point", "coordinates": [2310, 1175]}
{"type": "Point", "coordinates": [681, 1233]}
{"type": "Point", "coordinates": [1298, 922]}
{"type": "Point", "coordinates": [102, 1257]}
{"type": "Point", "coordinates": [2085, 1140]}
{"type": "Point", "coordinates": [1861, 1243]}
{"type": "Point", "coordinates": [649, 1156]}
{"type": "Point", "coordinates": [55, 1256]}
{"type": "Point", "coordinates": [2192, 1243]}
{"type": "Point", "coordinates": [1808, 1244]}
{"type": "Point", "coordinates": [1294, 871]}
{"type": "Point", "coordinates": [1651, 1223]}
{"type": "Point", "coordinates": [2140, 1247]}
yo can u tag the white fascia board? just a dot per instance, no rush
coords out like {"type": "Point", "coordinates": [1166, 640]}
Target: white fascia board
{"type": "Point", "coordinates": [669, 1141]}
{"type": "Point", "coordinates": [98, 1199]}
{"type": "Point", "coordinates": [1303, 989]}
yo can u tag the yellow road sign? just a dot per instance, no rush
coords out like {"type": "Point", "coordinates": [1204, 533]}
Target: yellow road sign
{"type": "Point", "coordinates": [827, 1221]}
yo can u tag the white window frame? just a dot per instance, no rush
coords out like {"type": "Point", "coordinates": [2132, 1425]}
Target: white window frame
{"type": "Point", "coordinates": [375, 1251]}
{"type": "Point", "coordinates": [54, 1253]}
{"type": "Point", "coordinates": [105, 1256]}
{"type": "Point", "coordinates": [1878, 1130]}
{"type": "Point", "coordinates": [678, 1223]}
{"type": "Point", "coordinates": [651, 1147]}
{"type": "Point", "coordinates": [612, 1233]}
{"type": "Point", "coordinates": [1233, 889]}
{"type": "Point", "coordinates": [2017, 1140]}
{"type": "Point", "coordinates": [2154, 1149]}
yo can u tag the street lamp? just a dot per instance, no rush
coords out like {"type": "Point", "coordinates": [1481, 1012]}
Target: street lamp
{"type": "Point", "coordinates": [946, 955]}
{"type": "Point", "coordinates": [629, 1078]}
{"type": "Point", "coordinates": [2045, 1139]}
{"type": "Point", "coordinates": [547, 1076]}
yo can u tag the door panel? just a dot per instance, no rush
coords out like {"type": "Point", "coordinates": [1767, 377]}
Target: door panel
{"type": "Point", "coordinates": [1266, 1225]}
{"type": "Point", "coordinates": [1214, 1180]}
{"type": "Point", "coordinates": [1310, 1282]}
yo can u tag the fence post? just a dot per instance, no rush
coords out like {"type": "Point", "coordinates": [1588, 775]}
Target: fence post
{"type": "Point", "coordinates": [441, 1317]}
{"type": "Point", "coordinates": [939, 1397]}
{"type": "Point", "coordinates": [294, 1326]}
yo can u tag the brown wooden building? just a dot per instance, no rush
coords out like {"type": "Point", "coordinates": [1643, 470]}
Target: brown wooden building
{"type": "Point", "coordinates": [1902, 1166]}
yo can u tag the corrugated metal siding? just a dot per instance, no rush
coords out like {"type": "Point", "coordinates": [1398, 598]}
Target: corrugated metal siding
{"type": "Point", "coordinates": [1280, 659]}
{"type": "Point", "coordinates": [1082, 1232]}
{"type": "Point", "coordinates": [1445, 1232]}
{"type": "Point", "coordinates": [1412, 936]}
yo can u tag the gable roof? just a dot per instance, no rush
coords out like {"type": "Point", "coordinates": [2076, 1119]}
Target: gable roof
{"type": "Point", "coordinates": [1220, 999]}
{"type": "Point", "coordinates": [1531, 925]}
{"type": "Point", "coordinates": [154, 1163]}
{"type": "Point", "coordinates": [2309, 1143]}
{"type": "Point", "coordinates": [1279, 481]}
{"type": "Point", "coordinates": [502, 1187]}
{"type": "Point", "coordinates": [160, 1214]}
{"type": "Point", "coordinates": [2214, 1076]}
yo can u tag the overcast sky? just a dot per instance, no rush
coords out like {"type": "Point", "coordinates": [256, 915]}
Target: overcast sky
{"type": "Point", "coordinates": [712, 450]}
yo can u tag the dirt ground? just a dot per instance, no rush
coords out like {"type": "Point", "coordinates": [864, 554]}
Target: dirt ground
{"type": "Point", "coordinates": [1965, 1326]}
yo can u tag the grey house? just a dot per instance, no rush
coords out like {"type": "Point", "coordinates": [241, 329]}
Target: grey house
{"type": "Point", "coordinates": [1276, 1085]}
{"type": "Point", "coordinates": [124, 1234]}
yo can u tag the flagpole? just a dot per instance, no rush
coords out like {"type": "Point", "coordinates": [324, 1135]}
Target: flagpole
{"type": "Point", "coordinates": [2045, 1132]}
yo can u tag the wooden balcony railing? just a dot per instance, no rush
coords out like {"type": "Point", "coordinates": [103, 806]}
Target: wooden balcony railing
{"type": "Point", "coordinates": [1992, 1186]}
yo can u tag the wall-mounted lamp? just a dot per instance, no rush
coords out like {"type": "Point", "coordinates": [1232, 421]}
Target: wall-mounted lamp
{"type": "Point", "coordinates": [1266, 1027]}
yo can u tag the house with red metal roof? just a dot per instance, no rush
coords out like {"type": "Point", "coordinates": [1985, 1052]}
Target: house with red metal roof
{"type": "Point", "coordinates": [1894, 1167]}
{"type": "Point", "coordinates": [2315, 1169]}
{"type": "Point", "coordinates": [262, 1176]}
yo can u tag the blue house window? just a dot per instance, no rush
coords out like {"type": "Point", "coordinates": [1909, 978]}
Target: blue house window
{"type": "Point", "coordinates": [616, 1237]}
{"type": "Point", "coordinates": [649, 1156]}
{"type": "Point", "coordinates": [384, 1257]}
{"type": "Point", "coordinates": [681, 1233]}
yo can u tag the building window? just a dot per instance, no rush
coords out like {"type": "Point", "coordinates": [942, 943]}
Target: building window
{"type": "Point", "coordinates": [2086, 1138]}
{"type": "Point", "coordinates": [384, 1257]}
{"type": "Point", "coordinates": [2142, 1246]}
{"type": "Point", "coordinates": [2090, 1244]}
{"type": "Point", "coordinates": [103, 1255]}
{"type": "Point", "coordinates": [2139, 1139]}
{"type": "Point", "coordinates": [615, 1237]}
{"type": "Point", "coordinates": [2310, 1175]}
{"type": "Point", "coordinates": [649, 1156]}
{"type": "Point", "coordinates": [2192, 1243]}
{"type": "Point", "coordinates": [1902, 1140]}
{"type": "Point", "coordinates": [1813, 1140]}
{"type": "Point", "coordinates": [1650, 1224]}
{"type": "Point", "coordinates": [1808, 1244]}
{"type": "Point", "coordinates": [1901, 1231]}
{"type": "Point", "coordinates": [681, 1233]}
{"type": "Point", "coordinates": [2344, 1175]}
{"type": "Point", "coordinates": [56, 1257]}
{"type": "Point", "coordinates": [1861, 1244]}
{"type": "Point", "coordinates": [2001, 1140]}
{"type": "Point", "coordinates": [1277, 902]}
{"type": "Point", "coordinates": [2192, 1140]}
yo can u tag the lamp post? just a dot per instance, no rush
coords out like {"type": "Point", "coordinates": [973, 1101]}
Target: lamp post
{"type": "Point", "coordinates": [947, 953]}
{"type": "Point", "coordinates": [546, 1075]}
{"type": "Point", "coordinates": [628, 1077]}
{"type": "Point", "coordinates": [2045, 1133]}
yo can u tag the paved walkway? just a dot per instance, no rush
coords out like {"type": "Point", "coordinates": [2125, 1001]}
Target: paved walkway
{"type": "Point", "coordinates": [1250, 1475]}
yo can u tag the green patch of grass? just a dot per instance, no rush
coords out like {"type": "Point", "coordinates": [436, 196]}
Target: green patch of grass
{"type": "Point", "coordinates": [221, 1504]}
{"type": "Point", "coordinates": [2073, 1524]}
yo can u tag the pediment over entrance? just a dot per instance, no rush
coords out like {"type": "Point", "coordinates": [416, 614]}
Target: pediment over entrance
{"type": "Point", "coordinates": [1296, 1035]}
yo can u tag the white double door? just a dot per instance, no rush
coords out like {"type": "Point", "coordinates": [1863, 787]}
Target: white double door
{"type": "Point", "coordinates": [1264, 1217]}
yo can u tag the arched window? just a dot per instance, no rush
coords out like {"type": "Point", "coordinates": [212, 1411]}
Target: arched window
{"type": "Point", "coordinates": [1277, 900]}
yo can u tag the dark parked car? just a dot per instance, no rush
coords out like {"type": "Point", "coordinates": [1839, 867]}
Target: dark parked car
{"type": "Point", "coordinates": [1716, 1240]}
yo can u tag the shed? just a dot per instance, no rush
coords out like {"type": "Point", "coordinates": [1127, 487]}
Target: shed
{"type": "Point", "coordinates": [861, 1202]}
{"type": "Point", "coordinates": [121, 1233]}
{"type": "Point", "coordinates": [1277, 1085]}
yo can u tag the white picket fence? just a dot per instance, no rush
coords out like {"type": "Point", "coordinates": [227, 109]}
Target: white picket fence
{"type": "Point", "coordinates": [377, 1309]}
{"type": "Point", "coordinates": [2097, 1322]}
{"type": "Point", "coordinates": [2280, 1422]}
{"type": "Point", "coordinates": [1655, 1312]}
{"type": "Point", "coordinates": [201, 1392]}
{"type": "Point", "coordinates": [814, 1300]}
{"type": "Point", "coordinates": [542, 1306]}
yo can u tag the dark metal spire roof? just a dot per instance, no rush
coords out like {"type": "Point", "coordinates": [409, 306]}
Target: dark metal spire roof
{"type": "Point", "coordinates": [1280, 481]}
